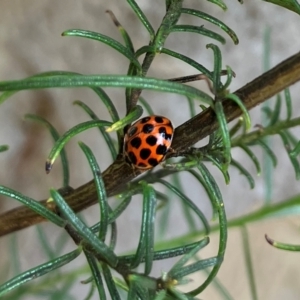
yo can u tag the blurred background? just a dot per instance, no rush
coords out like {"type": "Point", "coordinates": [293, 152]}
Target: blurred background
{"type": "Point", "coordinates": [31, 42]}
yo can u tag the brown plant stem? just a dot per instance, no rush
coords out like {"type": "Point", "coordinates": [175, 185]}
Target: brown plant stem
{"type": "Point", "coordinates": [117, 175]}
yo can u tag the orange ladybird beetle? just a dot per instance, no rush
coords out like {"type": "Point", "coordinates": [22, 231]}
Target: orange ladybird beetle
{"type": "Point", "coordinates": [147, 141]}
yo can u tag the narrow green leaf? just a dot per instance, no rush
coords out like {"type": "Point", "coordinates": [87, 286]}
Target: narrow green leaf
{"type": "Point", "coordinates": [55, 135]}
{"type": "Point", "coordinates": [166, 253]}
{"type": "Point", "coordinates": [107, 138]}
{"type": "Point", "coordinates": [239, 102]}
{"type": "Point", "coordinates": [47, 249]}
{"type": "Point", "coordinates": [100, 188]}
{"type": "Point", "coordinates": [97, 278]}
{"type": "Point", "coordinates": [217, 84]}
{"type": "Point", "coordinates": [296, 150]}
{"type": "Point", "coordinates": [212, 20]}
{"type": "Point", "coordinates": [236, 127]}
{"type": "Point", "coordinates": [147, 106]}
{"type": "Point", "coordinates": [105, 81]}
{"type": "Point", "coordinates": [187, 202]}
{"type": "Point", "coordinates": [249, 263]}
{"type": "Point", "coordinates": [61, 142]}
{"type": "Point", "coordinates": [151, 202]}
{"type": "Point", "coordinates": [110, 80]}
{"type": "Point", "coordinates": [292, 5]}
{"type": "Point", "coordinates": [268, 151]}
{"type": "Point", "coordinates": [200, 30]}
{"type": "Point", "coordinates": [196, 267]}
{"type": "Point", "coordinates": [244, 172]}
{"type": "Point", "coordinates": [142, 18]}
{"type": "Point", "coordinates": [106, 40]}
{"type": "Point", "coordinates": [288, 103]}
{"type": "Point", "coordinates": [146, 241]}
{"type": "Point", "coordinates": [216, 199]}
{"type": "Point", "coordinates": [220, 167]}
{"type": "Point", "coordinates": [182, 261]}
{"type": "Point", "coordinates": [34, 205]}
{"type": "Point", "coordinates": [276, 111]}
{"type": "Point", "coordinates": [225, 134]}
{"type": "Point", "coordinates": [4, 148]}
{"type": "Point", "coordinates": [124, 33]}
{"type": "Point", "coordinates": [134, 114]}
{"type": "Point", "coordinates": [114, 294]}
{"type": "Point", "coordinates": [38, 271]}
{"type": "Point", "coordinates": [188, 60]}
{"type": "Point", "coordinates": [220, 3]}
{"type": "Point", "coordinates": [282, 246]}
{"type": "Point", "coordinates": [230, 74]}
{"type": "Point", "coordinates": [120, 208]}
{"type": "Point", "coordinates": [292, 158]}
{"type": "Point", "coordinates": [253, 157]}
{"type": "Point", "coordinates": [83, 230]}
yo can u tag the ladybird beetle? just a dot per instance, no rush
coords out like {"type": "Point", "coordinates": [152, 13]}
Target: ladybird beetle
{"type": "Point", "coordinates": [147, 141]}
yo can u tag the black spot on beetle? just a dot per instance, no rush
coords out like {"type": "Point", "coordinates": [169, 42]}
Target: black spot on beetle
{"type": "Point", "coordinates": [151, 140]}
{"type": "Point", "coordinates": [131, 131]}
{"type": "Point", "coordinates": [164, 134]}
{"type": "Point", "coordinates": [158, 119]}
{"type": "Point", "coordinates": [136, 142]}
{"type": "Point", "coordinates": [148, 128]}
{"type": "Point", "coordinates": [161, 150]}
{"type": "Point", "coordinates": [145, 120]}
{"type": "Point", "coordinates": [153, 162]}
{"type": "Point", "coordinates": [132, 157]}
{"type": "Point", "coordinates": [145, 153]}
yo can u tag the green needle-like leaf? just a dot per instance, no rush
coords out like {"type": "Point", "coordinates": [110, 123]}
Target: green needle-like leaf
{"type": "Point", "coordinates": [283, 246]}
{"type": "Point", "coordinates": [187, 202]}
{"type": "Point", "coordinates": [288, 103]}
{"type": "Point", "coordinates": [292, 5]}
{"type": "Point", "coordinates": [244, 172]}
{"type": "Point", "coordinates": [146, 242]}
{"type": "Point", "coordinates": [220, 3]}
{"type": "Point", "coordinates": [249, 263]}
{"type": "Point", "coordinates": [296, 151]}
{"type": "Point", "coordinates": [134, 114]}
{"type": "Point", "coordinates": [293, 159]}
{"type": "Point", "coordinates": [146, 106]}
{"type": "Point", "coordinates": [276, 112]}
{"type": "Point", "coordinates": [55, 135]}
{"type": "Point", "coordinates": [217, 201]}
{"type": "Point", "coordinates": [61, 142]}
{"type": "Point", "coordinates": [106, 40]}
{"type": "Point", "coordinates": [200, 30]}
{"type": "Point", "coordinates": [97, 278]}
{"type": "Point", "coordinates": [4, 148]}
{"type": "Point", "coordinates": [100, 188]}
{"type": "Point", "coordinates": [195, 267]}
{"type": "Point", "coordinates": [86, 234]}
{"type": "Point", "coordinates": [198, 246]}
{"type": "Point", "coordinates": [246, 115]}
{"type": "Point", "coordinates": [125, 35]}
{"type": "Point", "coordinates": [252, 157]}
{"type": "Point", "coordinates": [114, 294]}
{"type": "Point", "coordinates": [212, 20]}
{"type": "Point", "coordinates": [105, 80]}
{"type": "Point", "coordinates": [225, 134]}
{"type": "Point", "coordinates": [269, 151]}
{"type": "Point", "coordinates": [38, 271]}
{"type": "Point", "coordinates": [189, 61]}
{"type": "Point", "coordinates": [142, 18]}
{"type": "Point", "coordinates": [108, 140]}
{"type": "Point", "coordinates": [34, 205]}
